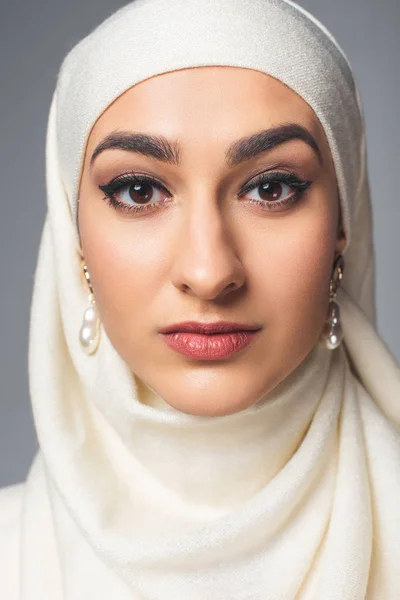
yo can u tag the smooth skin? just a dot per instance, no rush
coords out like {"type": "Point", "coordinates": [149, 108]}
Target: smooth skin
{"type": "Point", "coordinates": [210, 253]}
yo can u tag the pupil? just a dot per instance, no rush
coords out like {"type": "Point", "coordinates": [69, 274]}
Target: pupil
{"type": "Point", "coordinates": [140, 192]}
{"type": "Point", "coordinates": [269, 189]}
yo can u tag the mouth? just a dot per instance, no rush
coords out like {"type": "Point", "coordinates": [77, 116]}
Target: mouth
{"type": "Point", "coordinates": [208, 341]}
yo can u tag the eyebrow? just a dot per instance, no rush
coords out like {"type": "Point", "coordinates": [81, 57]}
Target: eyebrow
{"type": "Point", "coordinates": [243, 149]}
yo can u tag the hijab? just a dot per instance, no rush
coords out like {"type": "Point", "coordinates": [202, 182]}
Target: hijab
{"type": "Point", "coordinates": [296, 497]}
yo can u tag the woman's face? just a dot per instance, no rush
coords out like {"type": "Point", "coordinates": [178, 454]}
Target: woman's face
{"type": "Point", "coordinates": [204, 239]}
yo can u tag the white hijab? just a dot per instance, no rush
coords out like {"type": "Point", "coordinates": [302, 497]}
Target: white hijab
{"type": "Point", "coordinates": [297, 497]}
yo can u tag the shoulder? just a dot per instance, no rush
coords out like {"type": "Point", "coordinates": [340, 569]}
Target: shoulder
{"type": "Point", "coordinates": [10, 519]}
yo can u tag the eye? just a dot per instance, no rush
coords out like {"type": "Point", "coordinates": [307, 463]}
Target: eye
{"type": "Point", "coordinates": [140, 192]}
{"type": "Point", "coordinates": [275, 190]}
{"type": "Point", "coordinates": [272, 191]}
{"type": "Point", "coordinates": [134, 192]}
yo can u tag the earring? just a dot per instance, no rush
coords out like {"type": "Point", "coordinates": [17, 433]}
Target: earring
{"type": "Point", "coordinates": [333, 333]}
{"type": "Point", "coordinates": [89, 334]}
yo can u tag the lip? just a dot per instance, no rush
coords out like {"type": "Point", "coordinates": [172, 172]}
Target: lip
{"type": "Point", "coordinates": [208, 328]}
{"type": "Point", "coordinates": [208, 341]}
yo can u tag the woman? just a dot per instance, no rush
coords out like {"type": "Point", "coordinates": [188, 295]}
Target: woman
{"type": "Point", "coordinates": [206, 163]}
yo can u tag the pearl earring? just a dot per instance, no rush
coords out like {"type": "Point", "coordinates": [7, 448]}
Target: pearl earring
{"type": "Point", "coordinates": [333, 333]}
{"type": "Point", "coordinates": [89, 334]}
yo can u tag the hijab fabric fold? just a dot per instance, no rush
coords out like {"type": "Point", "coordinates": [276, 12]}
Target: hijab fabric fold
{"type": "Point", "coordinates": [295, 498]}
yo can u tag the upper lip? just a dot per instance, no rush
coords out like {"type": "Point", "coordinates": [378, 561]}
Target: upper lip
{"type": "Point", "coordinates": [208, 328]}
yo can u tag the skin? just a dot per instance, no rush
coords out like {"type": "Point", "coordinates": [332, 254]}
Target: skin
{"type": "Point", "coordinates": [209, 254]}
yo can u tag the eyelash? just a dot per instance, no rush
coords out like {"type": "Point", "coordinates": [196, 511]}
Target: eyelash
{"type": "Point", "coordinates": [290, 179]}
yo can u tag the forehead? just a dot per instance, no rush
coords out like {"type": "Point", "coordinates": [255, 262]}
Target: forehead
{"type": "Point", "coordinates": [214, 103]}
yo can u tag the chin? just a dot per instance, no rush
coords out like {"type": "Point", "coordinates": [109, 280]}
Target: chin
{"type": "Point", "coordinates": [209, 407]}
{"type": "Point", "coordinates": [213, 399]}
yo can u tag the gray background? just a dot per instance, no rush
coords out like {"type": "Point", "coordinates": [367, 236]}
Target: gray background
{"type": "Point", "coordinates": [34, 38]}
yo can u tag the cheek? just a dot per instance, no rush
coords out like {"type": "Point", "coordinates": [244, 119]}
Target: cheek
{"type": "Point", "coordinates": [292, 267]}
{"type": "Point", "coordinates": [127, 268]}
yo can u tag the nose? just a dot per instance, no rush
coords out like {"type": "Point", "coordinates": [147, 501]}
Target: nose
{"type": "Point", "coordinates": [206, 265]}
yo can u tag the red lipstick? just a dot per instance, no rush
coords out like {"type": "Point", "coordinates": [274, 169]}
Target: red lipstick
{"type": "Point", "coordinates": [208, 341]}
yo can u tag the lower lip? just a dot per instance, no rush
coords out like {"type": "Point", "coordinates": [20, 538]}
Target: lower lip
{"type": "Point", "coordinates": [209, 347]}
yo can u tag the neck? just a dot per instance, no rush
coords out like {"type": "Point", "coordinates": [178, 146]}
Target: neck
{"type": "Point", "coordinates": [220, 462]}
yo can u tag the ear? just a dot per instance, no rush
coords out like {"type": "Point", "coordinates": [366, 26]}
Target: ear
{"type": "Point", "coordinates": [340, 241]}
{"type": "Point", "coordinates": [340, 234]}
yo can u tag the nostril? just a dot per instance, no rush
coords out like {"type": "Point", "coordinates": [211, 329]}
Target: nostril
{"type": "Point", "coordinates": [230, 287]}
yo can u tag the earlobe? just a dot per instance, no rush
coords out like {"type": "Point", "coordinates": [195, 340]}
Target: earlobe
{"type": "Point", "coordinates": [340, 242]}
